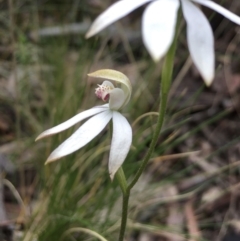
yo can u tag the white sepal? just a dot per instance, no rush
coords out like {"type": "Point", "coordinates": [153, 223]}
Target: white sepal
{"type": "Point", "coordinates": [82, 136]}
{"type": "Point", "coordinates": [121, 142]}
{"type": "Point", "coordinates": [74, 120]}
{"type": "Point", "coordinates": [113, 13]}
{"type": "Point", "coordinates": [200, 40]}
{"type": "Point", "coordinates": [226, 13]}
{"type": "Point", "coordinates": [158, 26]}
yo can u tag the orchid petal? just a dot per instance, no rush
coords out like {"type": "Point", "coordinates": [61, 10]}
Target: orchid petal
{"type": "Point", "coordinates": [226, 13]}
{"type": "Point", "coordinates": [121, 142]}
{"type": "Point", "coordinates": [159, 21]}
{"type": "Point", "coordinates": [74, 120]}
{"type": "Point", "coordinates": [116, 99]}
{"type": "Point", "coordinates": [117, 76]}
{"type": "Point", "coordinates": [200, 40]}
{"type": "Point", "coordinates": [82, 136]}
{"type": "Point", "coordinates": [114, 13]}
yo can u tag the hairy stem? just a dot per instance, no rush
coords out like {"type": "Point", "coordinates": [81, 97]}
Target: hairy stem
{"type": "Point", "coordinates": [124, 215]}
{"type": "Point", "coordinates": [165, 86]}
{"type": "Point", "coordinates": [122, 180]}
{"type": "Point", "coordinates": [166, 77]}
{"type": "Point", "coordinates": [123, 185]}
{"type": "Point", "coordinates": [166, 81]}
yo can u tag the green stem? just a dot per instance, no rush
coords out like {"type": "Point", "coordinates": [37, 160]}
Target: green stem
{"type": "Point", "coordinates": [165, 86]}
{"type": "Point", "coordinates": [162, 110]}
{"type": "Point", "coordinates": [166, 78]}
{"type": "Point", "coordinates": [166, 82]}
{"type": "Point", "coordinates": [124, 215]}
{"type": "Point", "coordinates": [123, 184]}
{"type": "Point", "coordinates": [126, 195]}
{"type": "Point", "coordinates": [122, 180]}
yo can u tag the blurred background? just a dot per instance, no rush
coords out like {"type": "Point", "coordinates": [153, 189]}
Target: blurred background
{"type": "Point", "coordinates": [191, 187]}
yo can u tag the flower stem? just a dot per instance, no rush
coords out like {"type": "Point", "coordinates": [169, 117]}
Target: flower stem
{"type": "Point", "coordinates": [166, 78]}
{"type": "Point", "coordinates": [166, 82]}
{"type": "Point", "coordinates": [124, 215]}
{"type": "Point", "coordinates": [126, 193]}
{"type": "Point", "coordinates": [122, 180]}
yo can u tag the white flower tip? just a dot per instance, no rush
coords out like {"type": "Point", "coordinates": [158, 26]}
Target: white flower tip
{"type": "Point", "coordinates": [156, 58]}
{"type": "Point", "coordinates": [51, 159]}
{"type": "Point", "coordinates": [158, 27]}
{"type": "Point", "coordinates": [112, 175]}
{"type": "Point", "coordinates": [46, 162]}
{"type": "Point", "coordinates": [207, 74]}
{"type": "Point", "coordinates": [208, 82]}
{"type": "Point", "coordinates": [43, 135]}
{"type": "Point", "coordinates": [207, 77]}
{"type": "Point", "coordinates": [155, 51]}
{"type": "Point", "coordinates": [40, 137]}
{"type": "Point", "coordinates": [89, 33]}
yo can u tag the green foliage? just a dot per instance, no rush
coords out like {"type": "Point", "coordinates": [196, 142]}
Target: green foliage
{"type": "Point", "coordinates": [76, 191]}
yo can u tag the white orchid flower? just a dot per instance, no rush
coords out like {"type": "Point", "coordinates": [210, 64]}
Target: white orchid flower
{"type": "Point", "coordinates": [158, 27]}
{"type": "Point", "coordinates": [100, 116]}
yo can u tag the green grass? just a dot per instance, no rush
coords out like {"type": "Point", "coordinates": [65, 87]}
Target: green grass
{"type": "Point", "coordinates": [76, 191]}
